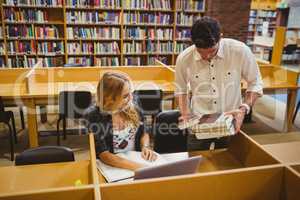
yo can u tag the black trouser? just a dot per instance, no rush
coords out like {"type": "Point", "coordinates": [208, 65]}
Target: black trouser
{"type": "Point", "coordinates": [194, 144]}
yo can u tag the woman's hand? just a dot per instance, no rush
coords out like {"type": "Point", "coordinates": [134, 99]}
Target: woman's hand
{"type": "Point", "coordinates": [148, 154]}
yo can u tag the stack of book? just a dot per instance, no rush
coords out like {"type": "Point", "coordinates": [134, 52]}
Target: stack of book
{"type": "Point", "coordinates": [210, 126]}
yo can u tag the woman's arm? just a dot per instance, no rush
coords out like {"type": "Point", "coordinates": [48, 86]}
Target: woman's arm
{"type": "Point", "coordinates": [117, 161]}
{"type": "Point", "coordinates": [147, 152]}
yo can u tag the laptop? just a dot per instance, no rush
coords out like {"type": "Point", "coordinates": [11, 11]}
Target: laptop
{"type": "Point", "coordinates": [186, 166]}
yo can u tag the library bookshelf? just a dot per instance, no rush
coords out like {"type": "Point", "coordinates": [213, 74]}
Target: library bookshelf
{"type": "Point", "coordinates": [262, 13]}
{"type": "Point", "coordinates": [96, 32]}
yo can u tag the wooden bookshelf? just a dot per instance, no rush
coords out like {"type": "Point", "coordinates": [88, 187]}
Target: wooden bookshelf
{"type": "Point", "coordinates": [79, 29]}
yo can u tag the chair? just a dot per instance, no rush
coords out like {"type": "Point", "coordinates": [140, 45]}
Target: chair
{"type": "Point", "coordinates": [296, 111]}
{"type": "Point", "coordinates": [71, 106]}
{"type": "Point", "coordinates": [6, 117]}
{"type": "Point", "coordinates": [168, 138]}
{"type": "Point", "coordinates": [149, 101]}
{"type": "Point", "coordinates": [45, 154]}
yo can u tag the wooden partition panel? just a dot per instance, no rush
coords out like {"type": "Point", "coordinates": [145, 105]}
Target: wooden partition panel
{"type": "Point", "coordinates": [62, 74]}
{"type": "Point", "coordinates": [18, 179]}
{"type": "Point", "coordinates": [242, 152]}
{"type": "Point", "coordinates": [13, 82]}
{"type": "Point", "coordinates": [248, 152]}
{"type": "Point", "coordinates": [291, 186]}
{"type": "Point", "coordinates": [255, 184]}
{"type": "Point", "coordinates": [296, 167]}
{"type": "Point", "coordinates": [73, 193]}
{"type": "Point", "coordinates": [73, 74]}
{"type": "Point", "coordinates": [11, 75]}
{"type": "Point", "coordinates": [278, 77]}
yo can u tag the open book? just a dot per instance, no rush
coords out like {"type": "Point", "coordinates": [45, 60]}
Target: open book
{"type": "Point", "coordinates": [114, 174]}
{"type": "Point", "coordinates": [210, 126]}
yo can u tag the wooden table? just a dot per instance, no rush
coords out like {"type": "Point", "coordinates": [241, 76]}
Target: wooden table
{"type": "Point", "coordinates": [254, 173]}
{"type": "Point", "coordinates": [41, 86]}
{"type": "Point", "coordinates": [287, 152]}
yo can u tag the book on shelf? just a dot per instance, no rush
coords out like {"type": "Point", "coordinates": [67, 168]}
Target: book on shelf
{"type": "Point", "coordinates": [46, 32]}
{"type": "Point", "coordinates": [106, 48]}
{"type": "Point", "coordinates": [52, 62]}
{"type": "Point", "coordinates": [2, 62]}
{"type": "Point", "coordinates": [23, 62]}
{"type": "Point", "coordinates": [146, 18]}
{"type": "Point", "coordinates": [186, 19]}
{"type": "Point", "coordinates": [14, 47]}
{"type": "Point", "coordinates": [180, 47]}
{"type": "Point", "coordinates": [16, 31]}
{"type": "Point", "coordinates": [93, 33]}
{"type": "Point", "coordinates": [152, 60]}
{"type": "Point", "coordinates": [50, 48]}
{"type": "Point", "coordinates": [93, 17]}
{"type": "Point", "coordinates": [26, 15]}
{"type": "Point", "coordinates": [34, 3]}
{"type": "Point", "coordinates": [94, 3]}
{"type": "Point", "coordinates": [85, 61]}
{"type": "Point", "coordinates": [190, 5]}
{"type": "Point", "coordinates": [149, 33]}
{"type": "Point", "coordinates": [107, 61]}
{"type": "Point", "coordinates": [183, 34]}
{"type": "Point", "coordinates": [87, 48]}
{"type": "Point", "coordinates": [134, 47]}
{"type": "Point", "coordinates": [114, 174]}
{"type": "Point", "coordinates": [207, 126]}
{"type": "Point", "coordinates": [135, 33]}
{"type": "Point", "coordinates": [73, 48]}
{"type": "Point", "coordinates": [2, 49]}
{"type": "Point", "coordinates": [147, 4]}
{"type": "Point", "coordinates": [160, 47]}
{"type": "Point", "coordinates": [132, 61]}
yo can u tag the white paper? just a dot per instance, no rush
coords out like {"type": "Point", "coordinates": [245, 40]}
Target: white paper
{"type": "Point", "coordinates": [114, 174]}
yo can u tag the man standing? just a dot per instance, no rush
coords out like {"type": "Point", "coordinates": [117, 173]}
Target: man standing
{"type": "Point", "coordinates": [212, 70]}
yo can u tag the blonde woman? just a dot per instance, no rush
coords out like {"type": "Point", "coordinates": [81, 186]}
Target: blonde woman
{"type": "Point", "coordinates": [116, 123]}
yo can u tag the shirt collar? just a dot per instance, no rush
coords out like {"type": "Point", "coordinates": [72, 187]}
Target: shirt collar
{"type": "Point", "coordinates": [220, 52]}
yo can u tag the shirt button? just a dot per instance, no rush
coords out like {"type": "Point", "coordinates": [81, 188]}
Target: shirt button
{"type": "Point", "coordinates": [214, 90]}
{"type": "Point", "coordinates": [212, 66]}
{"type": "Point", "coordinates": [197, 76]}
{"type": "Point", "coordinates": [228, 73]}
{"type": "Point", "coordinates": [213, 78]}
{"type": "Point", "coordinates": [215, 102]}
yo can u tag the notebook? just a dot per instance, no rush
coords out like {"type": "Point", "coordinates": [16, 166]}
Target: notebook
{"type": "Point", "coordinates": [114, 174]}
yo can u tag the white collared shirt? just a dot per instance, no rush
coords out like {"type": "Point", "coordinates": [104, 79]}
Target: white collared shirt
{"type": "Point", "coordinates": [216, 85]}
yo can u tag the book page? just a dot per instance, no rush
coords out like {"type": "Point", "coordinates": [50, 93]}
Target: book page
{"type": "Point", "coordinates": [113, 174]}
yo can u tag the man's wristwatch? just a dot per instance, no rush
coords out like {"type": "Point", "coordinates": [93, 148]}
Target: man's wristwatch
{"type": "Point", "coordinates": [246, 106]}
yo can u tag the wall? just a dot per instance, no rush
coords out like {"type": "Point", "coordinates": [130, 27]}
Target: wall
{"type": "Point", "coordinates": [233, 16]}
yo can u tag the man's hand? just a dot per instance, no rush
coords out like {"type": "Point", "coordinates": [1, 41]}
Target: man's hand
{"type": "Point", "coordinates": [238, 116]}
{"type": "Point", "coordinates": [185, 117]}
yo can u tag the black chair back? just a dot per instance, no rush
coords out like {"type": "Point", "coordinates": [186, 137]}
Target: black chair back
{"type": "Point", "coordinates": [168, 138]}
{"type": "Point", "coordinates": [149, 101]}
{"type": "Point", "coordinates": [72, 104]}
{"type": "Point", "coordinates": [1, 105]}
{"type": "Point", "coordinates": [45, 154]}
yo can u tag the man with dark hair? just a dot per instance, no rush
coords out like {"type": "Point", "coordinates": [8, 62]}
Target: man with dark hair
{"type": "Point", "coordinates": [211, 70]}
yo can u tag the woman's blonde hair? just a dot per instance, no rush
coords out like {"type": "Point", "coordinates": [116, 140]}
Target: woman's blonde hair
{"type": "Point", "coordinates": [109, 96]}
